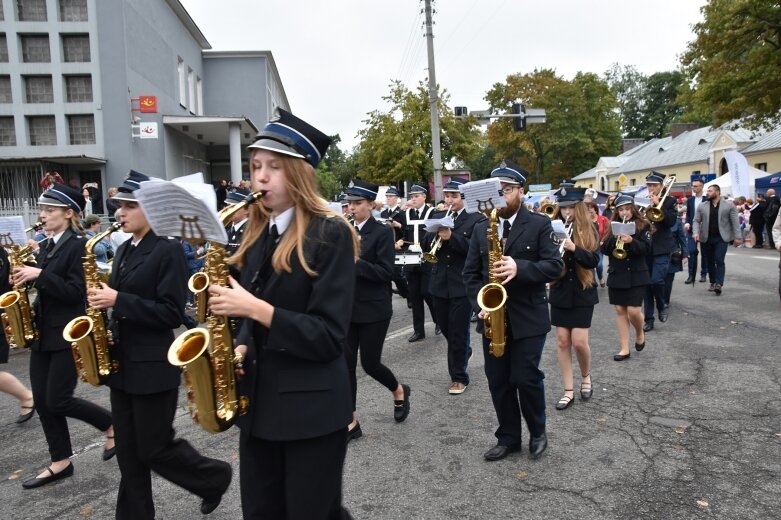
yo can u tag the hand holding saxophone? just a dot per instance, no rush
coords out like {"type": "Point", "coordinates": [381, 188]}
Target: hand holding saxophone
{"type": "Point", "coordinates": [22, 275]}
{"type": "Point", "coordinates": [102, 297]}
{"type": "Point", "coordinates": [240, 353]}
{"type": "Point", "coordinates": [237, 302]}
{"type": "Point", "coordinates": [506, 268]}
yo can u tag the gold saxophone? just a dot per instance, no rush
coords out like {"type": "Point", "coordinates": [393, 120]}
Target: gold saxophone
{"type": "Point", "coordinates": [206, 355]}
{"type": "Point", "coordinates": [18, 322]}
{"type": "Point", "coordinates": [89, 335]}
{"type": "Point", "coordinates": [493, 295]}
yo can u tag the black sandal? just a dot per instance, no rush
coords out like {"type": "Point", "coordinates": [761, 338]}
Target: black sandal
{"type": "Point", "coordinates": [24, 417]}
{"type": "Point", "coordinates": [585, 394]}
{"type": "Point", "coordinates": [566, 400]}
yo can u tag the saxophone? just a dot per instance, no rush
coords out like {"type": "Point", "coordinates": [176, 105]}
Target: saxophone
{"type": "Point", "coordinates": [18, 322]}
{"type": "Point", "coordinates": [206, 355]}
{"type": "Point", "coordinates": [89, 335]}
{"type": "Point", "coordinates": [492, 296]}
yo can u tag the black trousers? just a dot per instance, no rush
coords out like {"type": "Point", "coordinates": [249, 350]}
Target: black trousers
{"type": "Point", "coordinates": [53, 379]}
{"type": "Point", "coordinates": [417, 284]}
{"type": "Point", "coordinates": [517, 388]}
{"type": "Point", "coordinates": [769, 228]}
{"type": "Point", "coordinates": [144, 435]}
{"type": "Point", "coordinates": [452, 315]}
{"type": "Point", "coordinates": [400, 281]}
{"type": "Point", "coordinates": [293, 480]}
{"type": "Point", "coordinates": [369, 338]}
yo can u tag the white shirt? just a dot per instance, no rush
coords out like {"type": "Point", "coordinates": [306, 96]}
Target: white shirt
{"type": "Point", "coordinates": [282, 221]}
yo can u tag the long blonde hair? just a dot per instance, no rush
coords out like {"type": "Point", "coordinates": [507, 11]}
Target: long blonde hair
{"type": "Point", "coordinates": [302, 188]}
{"type": "Point", "coordinates": [583, 235]}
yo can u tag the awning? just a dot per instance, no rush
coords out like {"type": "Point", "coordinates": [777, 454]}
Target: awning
{"type": "Point", "coordinates": [211, 131]}
{"type": "Point", "coordinates": [67, 159]}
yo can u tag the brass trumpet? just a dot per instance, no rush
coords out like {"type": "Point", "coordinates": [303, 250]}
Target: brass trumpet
{"type": "Point", "coordinates": [619, 253]}
{"type": "Point", "coordinates": [549, 209]}
{"type": "Point", "coordinates": [431, 256]}
{"type": "Point", "coordinates": [655, 213]}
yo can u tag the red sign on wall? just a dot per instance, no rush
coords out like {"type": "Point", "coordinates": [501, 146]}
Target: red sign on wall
{"type": "Point", "coordinates": [147, 104]}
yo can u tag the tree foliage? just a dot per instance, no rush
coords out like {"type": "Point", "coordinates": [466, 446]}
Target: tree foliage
{"type": "Point", "coordinates": [628, 85]}
{"type": "Point", "coordinates": [734, 61]}
{"type": "Point", "coordinates": [582, 123]}
{"type": "Point", "coordinates": [396, 144]}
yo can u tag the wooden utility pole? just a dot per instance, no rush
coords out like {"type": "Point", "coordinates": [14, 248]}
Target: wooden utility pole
{"type": "Point", "coordinates": [433, 100]}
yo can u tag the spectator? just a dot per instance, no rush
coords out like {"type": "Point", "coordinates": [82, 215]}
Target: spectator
{"type": "Point", "coordinates": [194, 256]}
{"type": "Point", "coordinates": [602, 223]}
{"type": "Point", "coordinates": [103, 248]}
{"type": "Point", "coordinates": [222, 192]}
{"type": "Point", "coordinates": [771, 212]}
{"type": "Point", "coordinates": [777, 239]}
{"type": "Point", "coordinates": [111, 205]}
{"type": "Point", "coordinates": [49, 179]}
{"type": "Point", "coordinates": [715, 226]}
{"type": "Point", "coordinates": [757, 221]}
{"type": "Point", "coordinates": [88, 202]}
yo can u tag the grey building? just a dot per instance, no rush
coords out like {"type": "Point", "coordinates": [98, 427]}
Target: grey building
{"type": "Point", "coordinates": [94, 88]}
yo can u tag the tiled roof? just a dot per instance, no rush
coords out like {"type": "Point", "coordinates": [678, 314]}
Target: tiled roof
{"type": "Point", "coordinates": [588, 174]}
{"type": "Point", "coordinates": [769, 141]}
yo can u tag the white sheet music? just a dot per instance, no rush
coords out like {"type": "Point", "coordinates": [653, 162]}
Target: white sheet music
{"type": "Point", "coordinates": [642, 202]}
{"type": "Point", "coordinates": [559, 229]}
{"type": "Point", "coordinates": [482, 195]}
{"type": "Point", "coordinates": [12, 230]}
{"type": "Point", "coordinates": [619, 228]}
{"type": "Point", "coordinates": [435, 224]}
{"type": "Point", "coordinates": [172, 210]}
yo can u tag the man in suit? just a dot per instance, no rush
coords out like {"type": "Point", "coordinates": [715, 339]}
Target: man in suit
{"type": "Point", "coordinates": [771, 212]}
{"type": "Point", "coordinates": [662, 246]}
{"type": "Point", "coordinates": [529, 261]}
{"type": "Point", "coordinates": [757, 221]}
{"type": "Point", "coordinates": [692, 203]}
{"type": "Point", "coordinates": [715, 227]}
{"type": "Point", "coordinates": [238, 221]}
{"type": "Point", "coordinates": [395, 219]}
{"type": "Point", "coordinates": [447, 284]}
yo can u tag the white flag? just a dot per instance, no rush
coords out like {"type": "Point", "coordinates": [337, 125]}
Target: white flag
{"type": "Point", "coordinates": [739, 173]}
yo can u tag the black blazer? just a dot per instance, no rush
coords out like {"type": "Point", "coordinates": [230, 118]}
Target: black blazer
{"type": "Point", "coordinates": [538, 261]}
{"type": "Point", "coordinates": [633, 270]}
{"type": "Point", "coordinates": [447, 279]}
{"type": "Point", "coordinates": [690, 209]}
{"type": "Point", "coordinates": [398, 215]}
{"type": "Point", "coordinates": [234, 237]}
{"type": "Point", "coordinates": [61, 291]}
{"type": "Point", "coordinates": [567, 291]}
{"type": "Point", "coordinates": [152, 285]}
{"type": "Point", "coordinates": [662, 241]}
{"type": "Point", "coordinates": [374, 270]}
{"type": "Point", "coordinates": [296, 377]}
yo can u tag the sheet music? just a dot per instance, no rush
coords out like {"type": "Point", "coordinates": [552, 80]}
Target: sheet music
{"type": "Point", "coordinates": [12, 231]}
{"type": "Point", "coordinates": [172, 210]}
{"type": "Point", "coordinates": [482, 195]}
{"type": "Point", "coordinates": [559, 229]}
{"type": "Point", "coordinates": [195, 184]}
{"type": "Point", "coordinates": [435, 224]}
{"type": "Point", "coordinates": [619, 228]}
{"type": "Point", "coordinates": [642, 202]}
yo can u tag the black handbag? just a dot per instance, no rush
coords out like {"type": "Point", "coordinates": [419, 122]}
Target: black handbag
{"type": "Point", "coordinates": [676, 257]}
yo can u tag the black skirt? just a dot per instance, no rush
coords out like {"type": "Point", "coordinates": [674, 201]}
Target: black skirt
{"type": "Point", "coordinates": [3, 349]}
{"type": "Point", "coordinates": [572, 318]}
{"type": "Point", "coordinates": [632, 297]}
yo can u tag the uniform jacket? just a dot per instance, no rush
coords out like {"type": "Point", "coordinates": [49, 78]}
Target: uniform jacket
{"type": "Point", "coordinates": [680, 243]}
{"type": "Point", "coordinates": [409, 228]}
{"type": "Point", "coordinates": [398, 215]}
{"type": "Point", "coordinates": [447, 279]}
{"type": "Point", "coordinates": [567, 291]}
{"type": "Point", "coordinates": [729, 227]}
{"type": "Point", "coordinates": [234, 237]}
{"type": "Point", "coordinates": [538, 262]}
{"type": "Point", "coordinates": [633, 270]}
{"type": "Point", "coordinates": [757, 219]}
{"type": "Point", "coordinates": [297, 377]}
{"type": "Point", "coordinates": [61, 290]}
{"type": "Point", "coordinates": [374, 270]}
{"type": "Point", "coordinates": [662, 240]}
{"type": "Point", "coordinates": [152, 285]}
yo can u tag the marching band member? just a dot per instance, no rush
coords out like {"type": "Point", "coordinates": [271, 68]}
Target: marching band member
{"type": "Point", "coordinates": [372, 309]}
{"type": "Point", "coordinates": [573, 296]}
{"type": "Point", "coordinates": [628, 278]}
{"type": "Point", "coordinates": [147, 292]}
{"type": "Point", "coordinates": [417, 275]}
{"type": "Point", "coordinates": [395, 218]}
{"type": "Point", "coordinates": [451, 305]}
{"type": "Point", "coordinates": [60, 283]}
{"type": "Point", "coordinates": [531, 259]}
{"type": "Point", "coordinates": [239, 219]}
{"type": "Point", "coordinates": [296, 294]}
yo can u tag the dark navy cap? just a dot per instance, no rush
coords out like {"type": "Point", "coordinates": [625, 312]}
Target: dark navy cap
{"type": "Point", "coordinates": [63, 196]}
{"type": "Point", "coordinates": [392, 191]}
{"type": "Point", "coordinates": [510, 173]}
{"type": "Point", "coordinates": [453, 185]}
{"type": "Point", "coordinates": [343, 199]}
{"type": "Point", "coordinates": [289, 135]}
{"type": "Point", "coordinates": [236, 196]}
{"type": "Point", "coordinates": [132, 183]}
{"type": "Point", "coordinates": [655, 178]}
{"type": "Point", "coordinates": [361, 190]}
{"type": "Point", "coordinates": [569, 195]}
{"type": "Point", "coordinates": [417, 188]}
{"type": "Point", "coordinates": [623, 200]}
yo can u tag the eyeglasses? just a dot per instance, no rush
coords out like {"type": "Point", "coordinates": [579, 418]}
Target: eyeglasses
{"type": "Point", "coordinates": [508, 189]}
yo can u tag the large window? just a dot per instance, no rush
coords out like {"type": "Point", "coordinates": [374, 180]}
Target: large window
{"type": "Point", "coordinates": [182, 82]}
{"type": "Point", "coordinates": [199, 95]}
{"type": "Point", "coordinates": [3, 49]}
{"type": "Point", "coordinates": [35, 48]}
{"type": "Point", "coordinates": [75, 47]}
{"type": "Point", "coordinates": [73, 10]}
{"type": "Point", "coordinates": [5, 90]}
{"type": "Point", "coordinates": [31, 10]}
{"type": "Point", "coordinates": [81, 129]}
{"type": "Point", "coordinates": [42, 130]}
{"type": "Point", "coordinates": [191, 89]}
{"type": "Point", "coordinates": [78, 89]}
{"type": "Point", "coordinates": [38, 89]}
{"type": "Point", "coordinates": [7, 132]}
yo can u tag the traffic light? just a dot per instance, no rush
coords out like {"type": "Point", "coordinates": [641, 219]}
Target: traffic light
{"type": "Point", "coordinates": [519, 123]}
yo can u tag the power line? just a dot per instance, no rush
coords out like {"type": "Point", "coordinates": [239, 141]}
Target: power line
{"type": "Point", "coordinates": [409, 46]}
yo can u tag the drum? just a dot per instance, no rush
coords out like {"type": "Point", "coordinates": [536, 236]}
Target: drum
{"type": "Point", "coordinates": [408, 258]}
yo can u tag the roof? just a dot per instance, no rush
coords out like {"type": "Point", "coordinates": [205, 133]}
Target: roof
{"type": "Point", "coordinates": [613, 162]}
{"type": "Point", "coordinates": [178, 9]}
{"type": "Point", "coordinates": [588, 174]}
{"type": "Point", "coordinates": [769, 141]}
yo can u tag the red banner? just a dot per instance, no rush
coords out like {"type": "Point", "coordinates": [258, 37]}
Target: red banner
{"type": "Point", "coordinates": [147, 104]}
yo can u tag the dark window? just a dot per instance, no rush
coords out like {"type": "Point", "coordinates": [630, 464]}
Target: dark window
{"type": "Point", "coordinates": [5, 90]}
{"type": "Point", "coordinates": [761, 166]}
{"type": "Point", "coordinates": [81, 129]}
{"type": "Point", "coordinates": [31, 10]}
{"type": "Point", "coordinates": [7, 132]}
{"type": "Point", "coordinates": [3, 49]}
{"type": "Point", "coordinates": [35, 48]}
{"type": "Point", "coordinates": [38, 89]}
{"type": "Point", "coordinates": [42, 130]}
{"type": "Point", "coordinates": [78, 89]}
{"type": "Point", "coordinates": [75, 47]}
{"type": "Point", "coordinates": [73, 10]}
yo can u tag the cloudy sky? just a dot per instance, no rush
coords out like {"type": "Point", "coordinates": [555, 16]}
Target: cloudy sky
{"type": "Point", "coordinates": [336, 59]}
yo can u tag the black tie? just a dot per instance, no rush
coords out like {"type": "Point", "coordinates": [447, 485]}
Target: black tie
{"type": "Point", "coordinates": [130, 250]}
{"type": "Point", "coordinates": [506, 230]}
{"type": "Point", "coordinates": [415, 214]}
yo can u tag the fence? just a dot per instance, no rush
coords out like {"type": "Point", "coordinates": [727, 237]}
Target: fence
{"type": "Point", "coordinates": [27, 208]}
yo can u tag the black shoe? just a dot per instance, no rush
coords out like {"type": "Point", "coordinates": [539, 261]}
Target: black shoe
{"type": "Point", "coordinates": [712, 287]}
{"type": "Point", "coordinates": [473, 319]}
{"type": "Point", "coordinates": [401, 408]}
{"type": "Point", "coordinates": [437, 330]}
{"type": "Point", "coordinates": [108, 453]}
{"type": "Point", "coordinates": [565, 401]}
{"type": "Point", "coordinates": [209, 505]}
{"type": "Point", "coordinates": [648, 326]}
{"type": "Point", "coordinates": [586, 393]}
{"type": "Point", "coordinates": [717, 289]}
{"type": "Point", "coordinates": [52, 477]}
{"type": "Point", "coordinates": [355, 433]}
{"type": "Point", "coordinates": [537, 445]}
{"type": "Point", "coordinates": [664, 313]}
{"type": "Point", "coordinates": [24, 417]}
{"type": "Point", "coordinates": [689, 280]}
{"type": "Point", "coordinates": [409, 304]}
{"type": "Point", "coordinates": [499, 452]}
{"type": "Point", "coordinates": [703, 278]}
{"type": "Point", "coordinates": [757, 246]}
{"type": "Point", "coordinates": [621, 357]}
{"type": "Point", "coordinates": [640, 346]}
{"type": "Point", "coordinates": [416, 336]}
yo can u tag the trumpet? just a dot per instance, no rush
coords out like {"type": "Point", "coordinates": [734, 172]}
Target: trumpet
{"type": "Point", "coordinates": [431, 256]}
{"type": "Point", "coordinates": [549, 209]}
{"type": "Point", "coordinates": [619, 253]}
{"type": "Point", "coordinates": [568, 228]}
{"type": "Point", "coordinates": [655, 213]}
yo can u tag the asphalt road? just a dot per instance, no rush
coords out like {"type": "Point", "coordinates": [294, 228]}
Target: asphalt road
{"type": "Point", "coordinates": [688, 428]}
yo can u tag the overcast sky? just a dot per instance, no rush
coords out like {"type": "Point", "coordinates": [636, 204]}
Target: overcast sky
{"type": "Point", "coordinates": [336, 59]}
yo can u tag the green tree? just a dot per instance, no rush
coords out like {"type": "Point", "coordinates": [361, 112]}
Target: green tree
{"type": "Point", "coordinates": [329, 185]}
{"type": "Point", "coordinates": [733, 63]}
{"type": "Point", "coordinates": [661, 105]}
{"type": "Point", "coordinates": [341, 165]}
{"type": "Point", "coordinates": [396, 144]}
{"type": "Point", "coordinates": [628, 86]}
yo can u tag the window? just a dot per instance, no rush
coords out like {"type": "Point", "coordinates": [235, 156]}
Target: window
{"type": "Point", "coordinates": [78, 89]}
{"type": "Point", "coordinates": [182, 80]}
{"type": "Point", "coordinates": [696, 172]}
{"type": "Point", "coordinates": [73, 10]}
{"type": "Point", "coordinates": [633, 182]}
{"type": "Point", "coordinates": [3, 49]}
{"type": "Point", "coordinates": [199, 95]}
{"type": "Point", "coordinates": [31, 10]}
{"type": "Point", "coordinates": [5, 90]}
{"type": "Point", "coordinates": [42, 130]}
{"type": "Point", "coordinates": [618, 186]}
{"type": "Point", "coordinates": [35, 48]}
{"type": "Point", "coordinates": [38, 89]}
{"type": "Point", "coordinates": [7, 132]}
{"type": "Point", "coordinates": [2, 14]}
{"type": "Point", "coordinates": [191, 89]}
{"type": "Point", "coordinates": [81, 129]}
{"type": "Point", "coordinates": [761, 166]}
{"type": "Point", "coordinates": [75, 48]}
